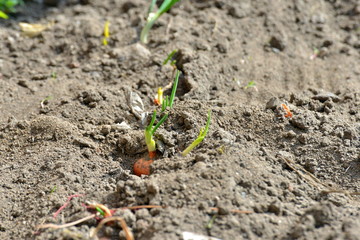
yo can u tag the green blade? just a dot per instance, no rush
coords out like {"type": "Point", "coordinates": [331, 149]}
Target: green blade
{"type": "Point", "coordinates": [166, 5]}
{"type": "Point", "coordinates": [3, 15]}
{"type": "Point", "coordinates": [173, 91]}
{"type": "Point", "coordinates": [159, 123]}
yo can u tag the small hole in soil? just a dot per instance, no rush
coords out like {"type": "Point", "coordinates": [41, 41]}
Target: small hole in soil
{"type": "Point", "coordinates": [183, 87]}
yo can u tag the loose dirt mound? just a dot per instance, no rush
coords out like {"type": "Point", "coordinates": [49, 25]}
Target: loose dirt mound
{"type": "Point", "coordinates": [259, 174]}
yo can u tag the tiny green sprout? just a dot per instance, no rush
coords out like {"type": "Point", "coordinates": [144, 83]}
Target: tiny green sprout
{"type": "Point", "coordinates": [53, 189]}
{"type": "Point", "coordinates": [3, 15]}
{"type": "Point", "coordinates": [8, 6]}
{"type": "Point", "coordinates": [44, 101]}
{"type": "Point", "coordinates": [169, 102]}
{"type": "Point", "coordinates": [169, 57]}
{"type": "Point", "coordinates": [102, 213]}
{"type": "Point", "coordinates": [53, 75]}
{"type": "Point", "coordinates": [211, 222]}
{"type": "Point", "coordinates": [250, 85]}
{"type": "Point", "coordinates": [165, 103]}
{"type": "Point", "coordinates": [152, 17]}
{"type": "Point", "coordinates": [200, 138]}
{"type": "Point", "coordinates": [315, 54]}
{"type": "Point", "coordinates": [149, 133]}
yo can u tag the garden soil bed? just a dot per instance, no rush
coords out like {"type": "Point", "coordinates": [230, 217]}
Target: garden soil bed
{"type": "Point", "coordinates": [66, 125]}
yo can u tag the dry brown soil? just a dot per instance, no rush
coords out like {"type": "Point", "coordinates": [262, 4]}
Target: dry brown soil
{"type": "Point", "coordinates": [299, 176]}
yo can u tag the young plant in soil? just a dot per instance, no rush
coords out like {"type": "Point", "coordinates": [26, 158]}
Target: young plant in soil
{"type": "Point", "coordinates": [8, 6]}
{"type": "Point", "coordinates": [169, 102]}
{"type": "Point", "coordinates": [200, 138]}
{"type": "Point", "coordinates": [170, 57]}
{"type": "Point", "coordinates": [152, 17]}
{"type": "Point", "coordinates": [142, 166]}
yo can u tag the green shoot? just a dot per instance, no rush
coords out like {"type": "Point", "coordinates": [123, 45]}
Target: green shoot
{"type": "Point", "coordinates": [169, 102]}
{"type": "Point", "coordinates": [173, 91]}
{"type": "Point", "coordinates": [165, 103]}
{"type": "Point", "coordinates": [152, 17]}
{"type": "Point", "coordinates": [250, 85]}
{"type": "Point", "coordinates": [315, 53]}
{"type": "Point", "coordinates": [211, 222]}
{"type": "Point", "coordinates": [150, 130]}
{"type": "Point", "coordinates": [3, 15]}
{"type": "Point", "coordinates": [200, 138]}
{"type": "Point", "coordinates": [53, 189]}
{"type": "Point", "coordinates": [53, 75]}
{"type": "Point", "coordinates": [169, 57]}
{"type": "Point", "coordinates": [45, 101]}
{"type": "Point", "coordinates": [8, 6]}
{"type": "Point", "coordinates": [102, 213]}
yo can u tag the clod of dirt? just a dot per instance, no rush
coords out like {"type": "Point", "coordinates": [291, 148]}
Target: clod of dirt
{"type": "Point", "coordinates": [277, 43]}
{"type": "Point", "coordinates": [90, 98]}
{"type": "Point", "coordinates": [240, 10]}
{"type": "Point", "coordinates": [224, 137]}
{"type": "Point", "coordinates": [82, 142]}
{"type": "Point", "coordinates": [166, 137]}
{"type": "Point", "coordinates": [324, 96]}
{"type": "Point", "coordinates": [49, 127]}
{"type": "Point", "coordinates": [322, 213]}
{"type": "Point", "coordinates": [183, 56]}
{"type": "Point", "coordinates": [304, 120]}
{"type": "Point", "coordinates": [128, 5]}
{"type": "Point", "coordinates": [134, 52]}
{"type": "Point", "coordinates": [273, 103]}
{"type": "Point", "coordinates": [132, 143]}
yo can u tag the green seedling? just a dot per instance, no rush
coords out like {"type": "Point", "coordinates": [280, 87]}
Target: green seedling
{"type": "Point", "coordinates": [169, 101]}
{"type": "Point", "coordinates": [201, 136]}
{"type": "Point", "coordinates": [315, 54]}
{"type": "Point", "coordinates": [53, 189]}
{"type": "Point", "coordinates": [149, 133]}
{"type": "Point", "coordinates": [152, 17]}
{"type": "Point", "coordinates": [250, 85]}
{"type": "Point", "coordinates": [170, 57]}
{"type": "Point", "coordinates": [44, 101]}
{"type": "Point", "coordinates": [8, 6]}
{"type": "Point", "coordinates": [172, 61]}
{"type": "Point", "coordinates": [3, 15]}
{"type": "Point", "coordinates": [102, 213]}
{"type": "Point", "coordinates": [211, 222]}
{"type": "Point", "coordinates": [53, 75]}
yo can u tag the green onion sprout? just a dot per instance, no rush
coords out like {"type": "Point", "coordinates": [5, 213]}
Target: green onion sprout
{"type": "Point", "coordinates": [152, 17]}
{"type": "Point", "coordinates": [150, 130]}
{"type": "Point", "coordinates": [169, 57]}
{"type": "Point", "coordinates": [200, 138]}
{"type": "Point", "coordinates": [169, 102]}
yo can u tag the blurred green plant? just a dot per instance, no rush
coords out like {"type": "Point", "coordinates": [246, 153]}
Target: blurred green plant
{"type": "Point", "coordinates": [8, 6]}
{"type": "Point", "coordinates": [152, 17]}
{"type": "Point", "coordinates": [200, 138]}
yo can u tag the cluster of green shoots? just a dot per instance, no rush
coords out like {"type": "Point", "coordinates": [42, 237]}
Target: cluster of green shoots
{"type": "Point", "coordinates": [153, 16]}
{"type": "Point", "coordinates": [168, 102]}
{"type": "Point", "coordinates": [149, 133]}
{"type": "Point", "coordinates": [8, 6]}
